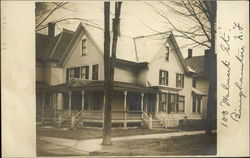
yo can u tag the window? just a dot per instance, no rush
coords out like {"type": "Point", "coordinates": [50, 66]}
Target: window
{"type": "Point", "coordinates": [167, 53]}
{"type": "Point", "coordinates": [196, 108]}
{"type": "Point", "coordinates": [194, 82]}
{"type": "Point", "coordinates": [72, 73]}
{"type": "Point", "coordinates": [84, 47]}
{"type": "Point", "coordinates": [163, 102]}
{"type": "Point", "coordinates": [179, 80]}
{"type": "Point", "coordinates": [85, 72]}
{"type": "Point", "coordinates": [181, 103]}
{"type": "Point", "coordinates": [171, 102]}
{"type": "Point", "coordinates": [163, 78]}
{"type": "Point", "coordinates": [95, 72]}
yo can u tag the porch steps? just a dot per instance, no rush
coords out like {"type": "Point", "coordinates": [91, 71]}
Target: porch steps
{"type": "Point", "coordinates": [66, 124]}
{"type": "Point", "coordinates": [156, 125]}
{"type": "Point", "coordinates": [48, 122]}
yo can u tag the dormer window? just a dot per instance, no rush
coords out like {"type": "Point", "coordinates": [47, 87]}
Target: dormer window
{"type": "Point", "coordinates": [167, 53]}
{"type": "Point", "coordinates": [84, 47]}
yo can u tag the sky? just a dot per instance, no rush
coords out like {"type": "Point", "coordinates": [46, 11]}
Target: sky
{"type": "Point", "coordinates": [138, 18]}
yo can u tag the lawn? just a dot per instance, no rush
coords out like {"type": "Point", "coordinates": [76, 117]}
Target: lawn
{"type": "Point", "coordinates": [183, 145]}
{"type": "Point", "coordinates": [86, 133]}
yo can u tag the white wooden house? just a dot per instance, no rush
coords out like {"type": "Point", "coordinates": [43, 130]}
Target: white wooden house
{"type": "Point", "coordinates": [153, 84]}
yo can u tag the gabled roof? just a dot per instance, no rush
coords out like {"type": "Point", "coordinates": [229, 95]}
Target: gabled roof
{"type": "Point", "coordinates": [77, 34]}
{"type": "Point", "coordinates": [197, 63]}
{"type": "Point", "coordinates": [62, 42]}
{"type": "Point", "coordinates": [130, 50]}
{"type": "Point", "coordinates": [145, 46]}
{"type": "Point", "coordinates": [52, 48]}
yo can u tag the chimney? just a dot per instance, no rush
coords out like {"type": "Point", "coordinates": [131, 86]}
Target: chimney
{"type": "Point", "coordinates": [190, 53]}
{"type": "Point", "coordinates": [51, 29]}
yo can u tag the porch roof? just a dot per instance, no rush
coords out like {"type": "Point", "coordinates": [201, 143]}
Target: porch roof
{"type": "Point", "coordinates": [77, 84]}
{"type": "Point", "coordinates": [198, 92]}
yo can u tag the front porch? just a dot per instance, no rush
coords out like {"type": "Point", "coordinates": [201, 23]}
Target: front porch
{"type": "Point", "coordinates": [83, 106]}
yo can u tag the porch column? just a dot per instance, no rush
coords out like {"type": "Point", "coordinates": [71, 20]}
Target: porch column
{"type": "Point", "coordinates": [83, 93]}
{"type": "Point", "coordinates": [142, 96]}
{"type": "Point", "coordinates": [55, 103]}
{"type": "Point", "coordinates": [70, 102]}
{"type": "Point", "coordinates": [201, 108]}
{"type": "Point", "coordinates": [125, 109]}
{"type": "Point", "coordinates": [43, 105]}
{"type": "Point", "coordinates": [157, 102]}
{"type": "Point", "coordinates": [59, 101]}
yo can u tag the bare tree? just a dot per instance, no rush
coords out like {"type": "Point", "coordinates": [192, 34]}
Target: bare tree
{"type": "Point", "coordinates": [44, 10]}
{"type": "Point", "coordinates": [109, 66]}
{"type": "Point", "coordinates": [201, 16]}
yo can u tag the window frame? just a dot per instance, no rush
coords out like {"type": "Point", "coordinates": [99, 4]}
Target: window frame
{"type": "Point", "coordinates": [95, 74]}
{"type": "Point", "coordinates": [163, 103]}
{"type": "Point", "coordinates": [179, 80]}
{"type": "Point", "coordinates": [180, 101]}
{"type": "Point", "coordinates": [71, 73]}
{"type": "Point", "coordinates": [196, 103]}
{"type": "Point", "coordinates": [171, 107]}
{"type": "Point", "coordinates": [84, 47]}
{"type": "Point", "coordinates": [84, 75]}
{"type": "Point", "coordinates": [167, 53]}
{"type": "Point", "coordinates": [163, 77]}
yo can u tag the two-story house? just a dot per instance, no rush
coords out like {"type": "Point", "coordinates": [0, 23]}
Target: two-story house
{"type": "Point", "coordinates": [152, 83]}
{"type": "Point", "coordinates": [201, 65]}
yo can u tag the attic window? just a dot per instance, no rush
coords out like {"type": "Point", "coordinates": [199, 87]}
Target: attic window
{"type": "Point", "coordinates": [84, 47]}
{"type": "Point", "coordinates": [167, 53]}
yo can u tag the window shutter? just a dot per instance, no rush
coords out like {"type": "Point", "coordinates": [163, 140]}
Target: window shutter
{"type": "Point", "coordinates": [166, 77]}
{"type": "Point", "coordinates": [160, 77]}
{"type": "Point", "coordinates": [97, 68]}
{"type": "Point", "coordinates": [169, 102]}
{"type": "Point", "coordinates": [176, 80]}
{"type": "Point", "coordinates": [67, 75]}
{"type": "Point", "coordinates": [177, 102]}
{"type": "Point", "coordinates": [182, 81]}
{"type": "Point", "coordinates": [77, 72]}
{"type": "Point", "coordinates": [87, 72]}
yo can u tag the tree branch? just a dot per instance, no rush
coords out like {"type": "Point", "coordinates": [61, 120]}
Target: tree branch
{"type": "Point", "coordinates": [57, 7]}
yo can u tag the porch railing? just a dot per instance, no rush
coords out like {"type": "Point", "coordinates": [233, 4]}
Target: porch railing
{"type": "Point", "coordinates": [169, 121]}
{"type": "Point", "coordinates": [62, 118]}
{"type": "Point", "coordinates": [147, 119]}
{"type": "Point", "coordinates": [76, 118]}
{"type": "Point", "coordinates": [116, 115]}
{"type": "Point", "coordinates": [162, 119]}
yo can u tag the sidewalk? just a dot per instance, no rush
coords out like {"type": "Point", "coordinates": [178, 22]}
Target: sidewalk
{"type": "Point", "coordinates": [92, 145]}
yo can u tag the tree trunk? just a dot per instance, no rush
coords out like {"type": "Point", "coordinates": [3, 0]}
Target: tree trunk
{"type": "Point", "coordinates": [107, 78]}
{"type": "Point", "coordinates": [212, 104]}
{"type": "Point", "coordinates": [109, 67]}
